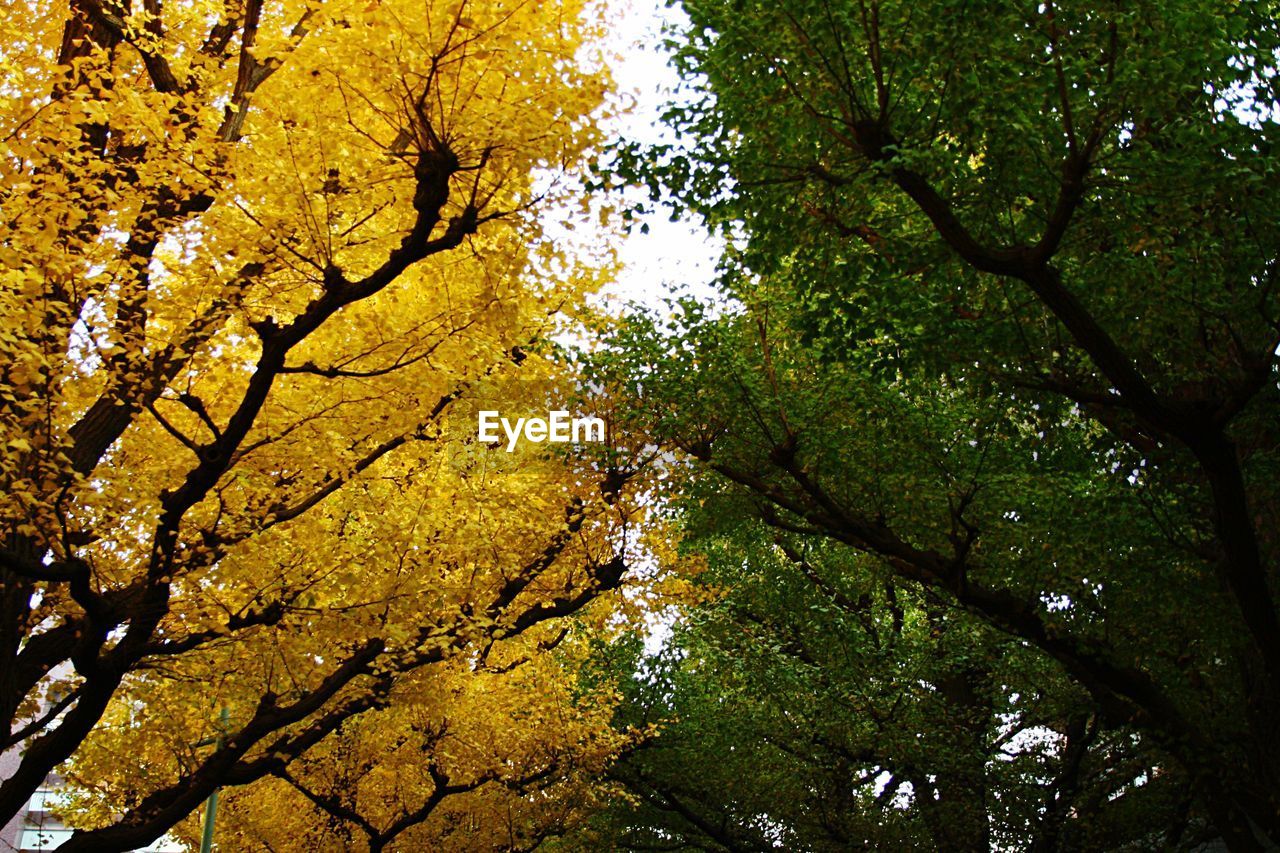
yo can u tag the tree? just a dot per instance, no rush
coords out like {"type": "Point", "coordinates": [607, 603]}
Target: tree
{"type": "Point", "coordinates": [1003, 318]}
{"type": "Point", "coordinates": [499, 753]}
{"type": "Point", "coordinates": [262, 263]}
{"type": "Point", "coordinates": [816, 705]}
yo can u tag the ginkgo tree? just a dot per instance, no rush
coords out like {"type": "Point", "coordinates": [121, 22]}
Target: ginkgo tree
{"type": "Point", "coordinates": [1001, 334]}
{"type": "Point", "coordinates": [261, 263]}
{"type": "Point", "coordinates": [500, 759]}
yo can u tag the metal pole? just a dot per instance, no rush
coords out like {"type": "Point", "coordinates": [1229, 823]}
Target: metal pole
{"type": "Point", "coordinates": [211, 805]}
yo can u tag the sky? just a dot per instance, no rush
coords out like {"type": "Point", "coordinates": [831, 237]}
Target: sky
{"type": "Point", "coordinates": [672, 256]}
{"type": "Point", "coordinates": [671, 253]}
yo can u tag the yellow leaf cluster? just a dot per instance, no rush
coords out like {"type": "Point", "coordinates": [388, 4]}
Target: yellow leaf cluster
{"type": "Point", "coordinates": [260, 265]}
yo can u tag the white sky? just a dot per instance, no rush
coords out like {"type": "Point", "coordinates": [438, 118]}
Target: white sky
{"type": "Point", "coordinates": [672, 254]}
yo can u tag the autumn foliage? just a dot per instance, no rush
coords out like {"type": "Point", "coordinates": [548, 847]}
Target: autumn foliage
{"type": "Point", "coordinates": [974, 453]}
{"type": "Point", "coordinates": [261, 263]}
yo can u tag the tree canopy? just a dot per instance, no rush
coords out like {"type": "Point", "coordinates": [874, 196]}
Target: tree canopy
{"type": "Point", "coordinates": [984, 436]}
{"type": "Point", "coordinates": [262, 263]}
{"type": "Point", "coordinates": [950, 525]}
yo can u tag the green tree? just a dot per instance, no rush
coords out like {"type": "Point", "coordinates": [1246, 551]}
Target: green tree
{"type": "Point", "coordinates": [1002, 330]}
{"type": "Point", "coordinates": [817, 705]}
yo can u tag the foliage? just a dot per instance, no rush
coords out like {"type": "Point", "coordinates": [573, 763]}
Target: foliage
{"type": "Point", "coordinates": [262, 263]}
{"type": "Point", "coordinates": [496, 757]}
{"type": "Point", "coordinates": [1001, 333]}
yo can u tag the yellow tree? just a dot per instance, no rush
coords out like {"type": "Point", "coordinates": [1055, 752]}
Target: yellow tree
{"type": "Point", "coordinates": [497, 759]}
{"type": "Point", "coordinates": [488, 710]}
{"type": "Point", "coordinates": [260, 264]}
